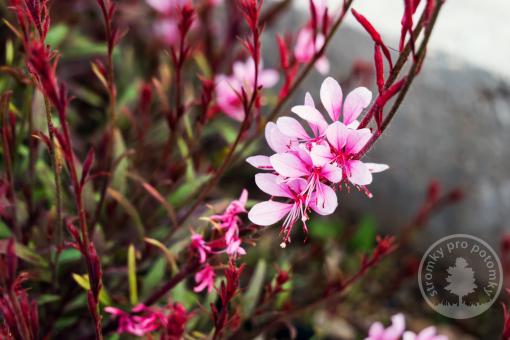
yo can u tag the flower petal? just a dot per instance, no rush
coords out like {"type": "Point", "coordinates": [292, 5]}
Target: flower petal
{"type": "Point", "coordinates": [292, 128]}
{"type": "Point", "coordinates": [271, 185]}
{"type": "Point", "coordinates": [268, 78]}
{"type": "Point", "coordinates": [325, 201]}
{"type": "Point", "coordinates": [288, 165]}
{"type": "Point", "coordinates": [355, 102]}
{"type": "Point", "coordinates": [356, 140]}
{"type": "Point", "coordinates": [331, 97]}
{"type": "Point", "coordinates": [337, 134]}
{"type": "Point", "coordinates": [321, 154]}
{"type": "Point", "coordinates": [311, 115]}
{"type": "Point", "coordinates": [268, 212]}
{"type": "Point", "coordinates": [358, 173]}
{"type": "Point", "coordinates": [309, 100]}
{"type": "Point", "coordinates": [332, 173]}
{"type": "Point", "coordinates": [260, 162]}
{"type": "Point", "coordinates": [376, 167]}
{"type": "Point", "coordinates": [275, 139]}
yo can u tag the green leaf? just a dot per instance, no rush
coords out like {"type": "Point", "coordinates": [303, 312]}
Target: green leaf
{"type": "Point", "coordinates": [56, 35]}
{"type": "Point", "coordinates": [4, 231]}
{"type": "Point", "coordinates": [364, 238]}
{"type": "Point", "coordinates": [155, 276]}
{"type": "Point", "coordinates": [252, 295]}
{"type": "Point", "coordinates": [186, 190]}
{"type": "Point", "coordinates": [169, 255]}
{"type": "Point", "coordinates": [47, 298]}
{"type": "Point", "coordinates": [325, 229]}
{"type": "Point", "coordinates": [133, 289]}
{"type": "Point", "coordinates": [119, 179]}
{"type": "Point", "coordinates": [183, 295]}
{"type": "Point", "coordinates": [129, 208]}
{"type": "Point", "coordinates": [83, 281]}
{"type": "Point", "coordinates": [69, 255]}
{"type": "Point", "coordinates": [25, 254]}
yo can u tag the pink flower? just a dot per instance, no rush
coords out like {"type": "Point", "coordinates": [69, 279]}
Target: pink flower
{"type": "Point", "coordinates": [300, 164]}
{"type": "Point", "coordinates": [204, 279]}
{"type": "Point", "coordinates": [343, 145]}
{"type": "Point", "coordinates": [332, 99]}
{"type": "Point", "coordinates": [307, 46]}
{"type": "Point", "coordinates": [393, 332]}
{"type": "Point", "coordinates": [175, 322]}
{"type": "Point", "coordinates": [234, 248]}
{"type": "Point", "coordinates": [141, 321]}
{"type": "Point", "coordinates": [269, 212]}
{"type": "Point", "coordinates": [229, 87]}
{"type": "Point", "coordinates": [429, 333]}
{"type": "Point", "coordinates": [277, 141]}
{"type": "Point", "coordinates": [198, 244]}
{"type": "Point", "coordinates": [167, 30]}
{"type": "Point", "coordinates": [166, 6]}
{"type": "Point", "coordinates": [230, 222]}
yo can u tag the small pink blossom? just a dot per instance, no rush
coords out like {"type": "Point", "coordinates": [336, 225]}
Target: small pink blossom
{"type": "Point", "coordinates": [393, 332]}
{"type": "Point", "coordinates": [229, 87]}
{"type": "Point", "coordinates": [199, 245]}
{"type": "Point", "coordinates": [141, 321]}
{"type": "Point", "coordinates": [343, 145]}
{"type": "Point", "coordinates": [230, 222]}
{"type": "Point", "coordinates": [307, 45]}
{"type": "Point", "coordinates": [204, 279]}
{"type": "Point", "coordinates": [429, 333]}
{"type": "Point", "coordinates": [269, 212]}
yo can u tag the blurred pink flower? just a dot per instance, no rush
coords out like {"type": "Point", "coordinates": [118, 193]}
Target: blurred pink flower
{"type": "Point", "coordinates": [229, 88]}
{"type": "Point", "coordinates": [166, 6]}
{"type": "Point", "coordinates": [204, 279]}
{"type": "Point", "coordinates": [175, 322]}
{"type": "Point", "coordinates": [307, 45]}
{"type": "Point", "coordinates": [166, 29]}
{"type": "Point", "coordinates": [429, 333]}
{"type": "Point", "coordinates": [393, 332]}
{"type": "Point", "coordinates": [198, 244]}
{"type": "Point", "coordinates": [141, 321]}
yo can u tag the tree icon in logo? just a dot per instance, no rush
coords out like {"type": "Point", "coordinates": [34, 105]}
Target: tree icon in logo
{"type": "Point", "coordinates": [461, 279]}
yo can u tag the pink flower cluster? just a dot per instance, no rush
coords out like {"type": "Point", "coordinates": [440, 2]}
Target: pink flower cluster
{"type": "Point", "coordinates": [229, 87]}
{"type": "Point", "coordinates": [229, 243]}
{"type": "Point", "coordinates": [397, 331]}
{"type": "Point", "coordinates": [310, 163]}
{"type": "Point", "coordinates": [143, 320]}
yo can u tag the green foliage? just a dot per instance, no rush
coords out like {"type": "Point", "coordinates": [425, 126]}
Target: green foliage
{"type": "Point", "coordinates": [252, 295]}
{"type": "Point", "coordinates": [363, 239]}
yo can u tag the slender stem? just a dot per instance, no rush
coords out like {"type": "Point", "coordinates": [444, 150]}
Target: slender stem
{"type": "Point", "coordinates": [4, 109]}
{"type": "Point", "coordinates": [56, 173]}
{"type": "Point", "coordinates": [112, 109]}
{"type": "Point", "coordinates": [420, 55]}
